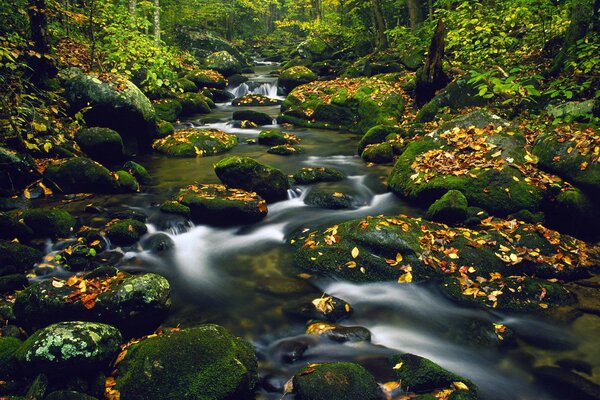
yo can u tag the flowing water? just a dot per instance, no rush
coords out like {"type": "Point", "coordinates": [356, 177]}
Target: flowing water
{"type": "Point", "coordinates": [244, 277]}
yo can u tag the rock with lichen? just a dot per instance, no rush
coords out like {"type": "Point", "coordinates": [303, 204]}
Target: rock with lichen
{"type": "Point", "coordinates": [195, 143]}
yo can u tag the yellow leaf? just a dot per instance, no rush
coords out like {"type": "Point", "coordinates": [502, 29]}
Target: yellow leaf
{"type": "Point", "coordinates": [27, 194]}
{"type": "Point", "coordinates": [58, 284]}
{"type": "Point", "coordinates": [347, 307]}
{"type": "Point", "coordinates": [543, 305]}
{"type": "Point", "coordinates": [351, 264]}
{"type": "Point", "coordinates": [354, 252]}
{"type": "Point", "coordinates": [460, 386]}
{"type": "Point", "coordinates": [398, 366]}
{"type": "Point", "coordinates": [453, 256]}
{"type": "Point", "coordinates": [405, 278]}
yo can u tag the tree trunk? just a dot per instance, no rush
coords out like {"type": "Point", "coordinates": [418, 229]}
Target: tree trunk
{"type": "Point", "coordinates": [157, 21]}
{"type": "Point", "coordinates": [380, 28]}
{"type": "Point", "coordinates": [431, 76]}
{"type": "Point", "coordinates": [582, 17]}
{"type": "Point", "coordinates": [38, 23]}
{"type": "Point", "coordinates": [415, 14]}
{"type": "Point", "coordinates": [132, 5]}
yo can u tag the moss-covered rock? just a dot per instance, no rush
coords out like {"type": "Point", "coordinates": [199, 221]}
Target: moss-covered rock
{"type": "Point", "coordinates": [340, 380]}
{"type": "Point", "coordinates": [16, 171]}
{"type": "Point", "coordinates": [116, 103]}
{"type": "Point", "coordinates": [224, 63]}
{"type": "Point", "coordinates": [167, 109]}
{"type": "Point", "coordinates": [79, 175]}
{"type": "Point", "coordinates": [573, 154]}
{"type": "Point", "coordinates": [451, 208]}
{"type": "Point", "coordinates": [101, 144]}
{"type": "Point", "coordinates": [135, 304]}
{"type": "Point", "coordinates": [51, 223]}
{"type": "Point", "coordinates": [11, 227]}
{"type": "Point", "coordinates": [329, 199]}
{"type": "Point", "coordinates": [175, 207]}
{"type": "Point", "coordinates": [375, 135]}
{"type": "Point", "coordinates": [248, 174]}
{"type": "Point", "coordinates": [478, 261]}
{"type": "Point", "coordinates": [355, 104]}
{"type": "Point", "coordinates": [13, 282]}
{"type": "Point", "coordinates": [195, 142]}
{"type": "Point", "coordinates": [126, 182]}
{"type": "Point", "coordinates": [206, 78]}
{"type": "Point", "coordinates": [310, 175]}
{"type": "Point", "coordinates": [381, 153]}
{"type": "Point", "coordinates": [209, 364]}
{"type": "Point", "coordinates": [255, 100]}
{"type": "Point", "coordinates": [316, 48]}
{"type": "Point", "coordinates": [256, 117]}
{"type": "Point", "coordinates": [275, 138]}
{"type": "Point", "coordinates": [421, 375]}
{"type": "Point", "coordinates": [138, 171]}
{"type": "Point", "coordinates": [339, 333]}
{"type": "Point", "coordinates": [68, 347]}
{"type": "Point", "coordinates": [219, 205]}
{"type": "Point", "coordinates": [187, 85]}
{"type": "Point", "coordinates": [575, 212]}
{"type": "Point", "coordinates": [164, 128]}
{"type": "Point", "coordinates": [194, 103]}
{"type": "Point", "coordinates": [285, 150]}
{"type": "Point", "coordinates": [126, 232]}
{"type": "Point", "coordinates": [295, 76]}
{"type": "Point", "coordinates": [486, 161]}
{"type": "Point", "coordinates": [8, 362]}
{"type": "Point", "coordinates": [17, 258]}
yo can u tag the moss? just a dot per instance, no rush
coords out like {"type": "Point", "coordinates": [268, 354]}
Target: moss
{"type": "Point", "coordinates": [175, 207]}
{"type": "Point", "coordinates": [255, 100]}
{"type": "Point", "coordinates": [248, 174]}
{"type": "Point", "coordinates": [100, 144]}
{"type": "Point", "coordinates": [17, 258]}
{"type": "Point", "coordinates": [68, 347]}
{"type": "Point", "coordinates": [126, 232]}
{"type": "Point", "coordinates": [138, 171]}
{"type": "Point", "coordinates": [49, 223]}
{"type": "Point", "coordinates": [209, 364]}
{"type": "Point", "coordinates": [126, 182]}
{"type": "Point", "coordinates": [194, 103]}
{"type": "Point", "coordinates": [207, 79]}
{"type": "Point", "coordinates": [186, 85]}
{"type": "Point", "coordinates": [451, 208]}
{"type": "Point", "coordinates": [377, 134]}
{"type": "Point", "coordinates": [168, 109]}
{"type": "Point", "coordinates": [329, 199]}
{"type": "Point", "coordinates": [275, 138]}
{"type": "Point", "coordinates": [307, 176]}
{"type": "Point", "coordinates": [422, 375]}
{"type": "Point", "coordinates": [196, 142]}
{"type": "Point", "coordinates": [10, 283]}
{"type": "Point", "coordinates": [382, 153]}
{"type": "Point", "coordinates": [224, 63]}
{"type": "Point", "coordinates": [256, 117]}
{"type": "Point", "coordinates": [296, 76]}
{"type": "Point", "coordinates": [285, 150]}
{"type": "Point", "coordinates": [8, 362]}
{"type": "Point", "coordinates": [77, 175]}
{"type": "Point", "coordinates": [12, 228]}
{"type": "Point", "coordinates": [340, 380]}
{"type": "Point", "coordinates": [164, 128]}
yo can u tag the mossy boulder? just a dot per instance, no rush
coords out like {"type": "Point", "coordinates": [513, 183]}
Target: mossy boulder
{"type": "Point", "coordinates": [316, 48]}
{"type": "Point", "coordinates": [248, 174]}
{"type": "Point", "coordinates": [16, 171]}
{"type": "Point", "coordinates": [175, 207]}
{"type": "Point", "coordinates": [195, 142]}
{"type": "Point", "coordinates": [11, 227]}
{"type": "Point", "coordinates": [329, 199]}
{"type": "Point", "coordinates": [255, 100]}
{"type": "Point", "coordinates": [164, 128]}
{"type": "Point", "coordinates": [8, 362]}
{"type": "Point", "coordinates": [50, 223]}
{"type": "Point", "coordinates": [575, 212]}
{"type": "Point", "coordinates": [256, 117]}
{"type": "Point", "coordinates": [168, 109]}
{"type": "Point", "coordinates": [572, 154]}
{"type": "Point", "coordinates": [224, 63]}
{"type": "Point", "coordinates": [339, 333]}
{"type": "Point", "coordinates": [138, 171]}
{"type": "Point", "coordinates": [201, 44]}
{"type": "Point", "coordinates": [17, 258]}
{"type": "Point", "coordinates": [126, 183]}
{"type": "Point", "coordinates": [275, 138]}
{"type": "Point", "coordinates": [101, 144]}
{"type": "Point", "coordinates": [381, 153]}
{"type": "Point", "coordinates": [340, 380]}
{"type": "Point", "coordinates": [356, 104]}
{"type": "Point", "coordinates": [219, 205]}
{"type": "Point", "coordinates": [116, 103]}
{"type": "Point", "coordinates": [194, 103]}
{"type": "Point", "coordinates": [135, 304]}
{"type": "Point", "coordinates": [13, 282]}
{"type": "Point", "coordinates": [80, 175]}
{"type": "Point", "coordinates": [187, 85]}
{"type": "Point", "coordinates": [451, 208]}
{"type": "Point", "coordinates": [221, 96]}
{"type": "Point", "coordinates": [421, 375]}
{"type": "Point", "coordinates": [126, 232]}
{"type": "Point", "coordinates": [209, 363]}
{"type": "Point", "coordinates": [285, 150]}
{"type": "Point", "coordinates": [486, 161]}
{"type": "Point", "coordinates": [206, 78]}
{"type": "Point", "coordinates": [295, 76]}
{"type": "Point", "coordinates": [310, 175]}
{"type": "Point", "coordinates": [70, 347]}
{"type": "Point", "coordinates": [375, 135]}
{"type": "Point", "coordinates": [478, 262]}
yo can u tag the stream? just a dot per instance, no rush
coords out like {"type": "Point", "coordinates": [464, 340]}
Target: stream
{"type": "Point", "coordinates": [244, 277]}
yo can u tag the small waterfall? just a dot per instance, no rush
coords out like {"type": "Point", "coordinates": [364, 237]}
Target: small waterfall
{"type": "Point", "coordinates": [240, 91]}
{"type": "Point", "coordinates": [268, 89]}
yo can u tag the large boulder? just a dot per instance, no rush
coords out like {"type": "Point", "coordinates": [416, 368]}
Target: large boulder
{"type": "Point", "coordinates": [135, 304]}
{"type": "Point", "coordinates": [255, 117]}
{"type": "Point", "coordinates": [202, 44]}
{"type": "Point", "coordinates": [167, 109]}
{"type": "Point", "coordinates": [479, 155]}
{"type": "Point", "coordinates": [248, 174]}
{"type": "Point", "coordinates": [101, 144]}
{"type": "Point", "coordinates": [111, 101]}
{"type": "Point", "coordinates": [194, 103]}
{"type": "Point", "coordinates": [276, 138]}
{"type": "Point", "coordinates": [316, 48]}
{"type": "Point", "coordinates": [207, 78]}
{"type": "Point", "coordinates": [310, 175]}
{"type": "Point", "coordinates": [48, 223]}
{"type": "Point", "coordinates": [451, 208]}
{"type": "Point", "coordinates": [472, 265]}
{"type": "Point", "coordinates": [339, 380]}
{"type": "Point", "coordinates": [125, 232]}
{"type": "Point", "coordinates": [79, 175]}
{"type": "Point", "coordinates": [205, 362]}
{"type": "Point", "coordinates": [353, 104]}
{"type": "Point", "coordinates": [17, 258]}
{"type": "Point", "coordinates": [224, 63]}
{"type": "Point", "coordinates": [69, 347]}
{"type": "Point", "coordinates": [16, 171]}
{"type": "Point", "coordinates": [219, 205]}
{"type": "Point", "coordinates": [193, 142]}
{"type": "Point", "coordinates": [295, 76]}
